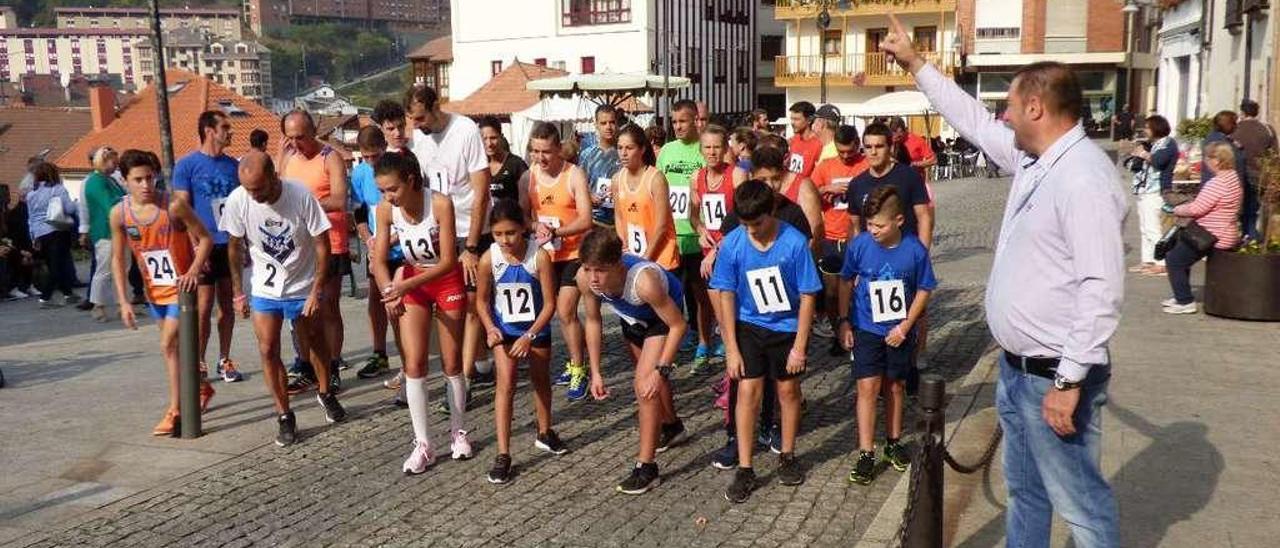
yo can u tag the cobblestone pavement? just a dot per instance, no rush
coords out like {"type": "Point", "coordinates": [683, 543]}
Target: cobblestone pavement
{"type": "Point", "coordinates": [342, 485]}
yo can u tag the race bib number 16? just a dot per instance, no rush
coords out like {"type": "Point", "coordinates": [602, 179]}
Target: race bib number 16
{"type": "Point", "coordinates": [888, 301]}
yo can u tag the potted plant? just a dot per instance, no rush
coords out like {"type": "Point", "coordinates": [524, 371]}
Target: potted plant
{"type": "Point", "coordinates": [1245, 284]}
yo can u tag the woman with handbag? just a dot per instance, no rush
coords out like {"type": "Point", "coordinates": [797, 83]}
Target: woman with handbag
{"type": "Point", "coordinates": [1150, 182]}
{"type": "Point", "coordinates": [49, 216]}
{"type": "Point", "coordinates": [1213, 225]}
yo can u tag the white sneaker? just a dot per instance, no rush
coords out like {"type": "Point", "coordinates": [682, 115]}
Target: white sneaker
{"type": "Point", "coordinates": [460, 446]}
{"type": "Point", "coordinates": [1169, 302]}
{"type": "Point", "coordinates": [396, 382]}
{"type": "Point", "coordinates": [1189, 308]}
{"type": "Point", "coordinates": [421, 458]}
{"type": "Point", "coordinates": [16, 294]}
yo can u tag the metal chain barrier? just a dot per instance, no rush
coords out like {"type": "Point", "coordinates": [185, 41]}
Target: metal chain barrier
{"type": "Point", "coordinates": [983, 462]}
{"type": "Point", "coordinates": [919, 462]}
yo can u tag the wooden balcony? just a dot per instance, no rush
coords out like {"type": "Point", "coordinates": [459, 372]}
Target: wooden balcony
{"type": "Point", "coordinates": [806, 70]}
{"type": "Point", "coordinates": [804, 9]}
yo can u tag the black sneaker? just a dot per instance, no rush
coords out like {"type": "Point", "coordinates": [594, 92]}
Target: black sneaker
{"type": "Point", "coordinates": [896, 455]}
{"type": "Point", "coordinates": [744, 482]}
{"type": "Point", "coordinates": [501, 471]}
{"type": "Point", "coordinates": [335, 380]}
{"type": "Point", "coordinates": [333, 411]}
{"type": "Point", "coordinates": [375, 366]}
{"type": "Point", "coordinates": [643, 478]}
{"type": "Point", "coordinates": [865, 469]}
{"type": "Point", "coordinates": [726, 458]}
{"type": "Point", "coordinates": [340, 364]}
{"type": "Point", "coordinates": [550, 442]}
{"type": "Point", "coordinates": [482, 380]}
{"type": "Point", "coordinates": [304, 381]}
{"type": "Point", "coordinates": [775, 439]}
{"type": "Point", "coordinates": [670, 435]}
{"type": "Point", "coordinates": [789, 472]}
{"type": "Point", "coordinates": [288, 432]}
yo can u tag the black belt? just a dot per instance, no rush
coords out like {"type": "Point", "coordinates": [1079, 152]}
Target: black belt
{"type": "Point", "coordinates": [1040, 367]}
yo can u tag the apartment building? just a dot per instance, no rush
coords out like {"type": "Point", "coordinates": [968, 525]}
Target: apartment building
{"type": "Point", "coordinates": [819, 62]}
{"type": "Point", "coordinates": [244, 66]}
{"type": "Point", "coordinates": [1240, 55]}
{"type": "Point", "coordinates": [770, 35]}
{"type": "Point", "coordinates": [404, 14]}
{"type": "Point", "coordinates": [122, 56]}
{"type": "Point", "coordinates": [1105, 43]}
{"type": "Point", "coordinates": [224, 23]}
{"type": "Point", "coordinates": [711, 43]}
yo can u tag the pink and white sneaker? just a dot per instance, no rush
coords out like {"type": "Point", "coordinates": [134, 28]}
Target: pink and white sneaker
{"type": "Point", "coordinates": [460, 446]}
{"type": "Point", "coordinates": [420, 459]}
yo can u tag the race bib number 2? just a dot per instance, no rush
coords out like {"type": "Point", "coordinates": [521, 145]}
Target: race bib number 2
{"type": "Point", "coordinates": [160, 268]}
{"type": "Point", "coordinates": [268, 278]}
{"type": "Point", "coordinates": [768, 291]}
{"type": "Point", "coordinates": [888, 300]}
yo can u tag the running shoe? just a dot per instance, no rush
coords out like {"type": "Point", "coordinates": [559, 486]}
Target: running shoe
{"type": "Point", "coordinates": [775, 439]}
{"type": "Point", "coordinates": [726, 458]}
{"type": "Point", "coordinates": [420, 459]}
{"type": "Point", "coordinates": [501, 471]}
{"type": "Point", "coordinates": [15, 294]}
{"type": "Point", "coordinates": [670, 435]}
{"type": "Point", "coordinates": [701, 360]}
{"type": "Point", "coordinates": [481, 380]}
{"type": "Point", "coordinates": [333, 411]}
{"type": "Point", "coordinates": [288, 429]}
{"type": "Point", "coordinates": [822, 328]}
{"type": "Point", "coordinates": [460, 447]}
{"type": "Point", "coordinates": [690, 341]}
{"type": "Point", "coordinates": [168, 426]}
{"type": "Point", "coordinates": [302, 382]}
{"type": "Point", "coordinates": [577, 384]}
{"type": "Point", "coordinates": [1169, 302]}
{"type": "Point", "coordinates": [865, 469]}
{"type": "Point", "coordinates": [643, 478]}
{"type": "Point", "coordinates": [340, 364]}
{"type": "Point", "coordinates": [49, 303]}
{"type": "Point", "coordinates": [718, 352]}
{"type": "Point", "coordinates": [375, 366]}
{"type": "Point", "coordinates": [550, 442]}
{"type": "Point", "coordinates": [1189, 308]}
{"type": "Point", "coordinates": [396, 382]}
{"type": "Point", "coordinates": [229, 371]}
{"type": "Point", "coordinates": [335, 380]}
{"type": "Point", "coordinates": [206, 394]}
{"type": "Point", "coordinates": [566, 375]}
{"type": "Point", "coordinates": [744, 482]}
{"type": "Point", "coordinates": [896, 455]}
{"type": "Point", "coordinates": [789, 472]}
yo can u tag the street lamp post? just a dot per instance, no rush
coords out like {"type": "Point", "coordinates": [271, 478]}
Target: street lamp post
{"type": "Point", "coordinates": [824, 21]}
{"type": "Point", "coordinates": [1130, 9]}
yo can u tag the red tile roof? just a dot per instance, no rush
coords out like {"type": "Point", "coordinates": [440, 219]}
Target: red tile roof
{"type": "Point", "coordinates": [28, 131]}
{"type": "Point", "coordinates": [439, 49]}
{"type": "Point", "coordinates": [136, 124]}
{"type": "Point", "coordinates": [505, 93]}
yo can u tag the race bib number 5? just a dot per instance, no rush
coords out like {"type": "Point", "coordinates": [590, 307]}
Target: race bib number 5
{"type": "Point", "coordinates": [515, 302]}
{"type": "Point", "coordinates": [160, 268]}
{"type": "Point", "coordinates": [637, 241]}
{"type": "Point", "coordinates": [768, 291]}
{"type": "Point", "coordinates": [679, 198]}
{"type": "Point", "coordinates": [888, 300]}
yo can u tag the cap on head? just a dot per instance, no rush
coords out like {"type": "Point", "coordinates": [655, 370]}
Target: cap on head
{"type": "Point", "coordinates": [830, 113]}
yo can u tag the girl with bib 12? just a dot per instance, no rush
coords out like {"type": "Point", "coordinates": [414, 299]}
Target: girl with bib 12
{"type": "Point", "coordinates": [429, 282]}
{"type": "Point", "coordinates": [160, 237]}
{"type": "Point", "coordinates": [516, 281]}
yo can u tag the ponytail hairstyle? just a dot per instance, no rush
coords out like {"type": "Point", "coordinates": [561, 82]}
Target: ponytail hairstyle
{"type": "Point", "coordinates": [402, 164]}
{"type": "Point", "coordinates": [641, 140]}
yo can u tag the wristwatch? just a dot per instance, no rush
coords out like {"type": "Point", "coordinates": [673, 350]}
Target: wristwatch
{"type": "Point", "coordinates": [472, 249]}
{"type": "Point", "coordinates": [1061, 383]}
{"type": "Point", "coordinates": [666, 369]}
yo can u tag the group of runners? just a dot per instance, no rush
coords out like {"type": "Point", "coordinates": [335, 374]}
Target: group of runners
{"type": "Point", "coordinates": [737, 235]}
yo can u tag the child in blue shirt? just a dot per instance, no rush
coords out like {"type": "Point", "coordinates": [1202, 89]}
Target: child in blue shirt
{"type": "Point", "coordinates": [894, 279]}
{"type": "Point", "coordinates": [769, 285]}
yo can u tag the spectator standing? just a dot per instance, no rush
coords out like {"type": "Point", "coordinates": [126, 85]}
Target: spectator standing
{"type": "Point", "coordinates": [1224, 128]}
{"type": "Point", "coordinates": [53, 236]}
{"type": "Point", "coordinates": [1149, 185]}
{"type": "Point", "coordinates": [913, 150]}
{"type": "Point", "coordinates": [600, 162]}
{"type": "Point", "coordinates": [1215, 208]}
{"type": "Point", "coordinates": [1122, 125]}
{"type": "Point", "coordinates": [101, 193]}
{"type": "Point", "coordinates": [1256, 139]}
{"type": "Point", "coordinates": [825, 122]}
{"type": "Point", "coordinates": [18, 234]}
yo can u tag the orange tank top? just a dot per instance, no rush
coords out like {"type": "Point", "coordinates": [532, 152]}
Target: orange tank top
{"type": "Point", "coordinates": [314, 174]}
{"type": "Point", "coordinates": [635, 213]}
{"type": "Point", "coordinates": [161, 249]}
{"type": "Point", "coordinates": [553, 205]}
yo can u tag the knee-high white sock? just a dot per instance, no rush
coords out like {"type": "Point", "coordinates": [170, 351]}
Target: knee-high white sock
{"type": "Point", "coordinates": [457, 387]}
{"type": "Point", "coordinates": [415, 393]}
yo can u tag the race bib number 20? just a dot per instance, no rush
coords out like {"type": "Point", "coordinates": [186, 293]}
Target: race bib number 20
{"type": "Point", "coordinates": [679, 198]}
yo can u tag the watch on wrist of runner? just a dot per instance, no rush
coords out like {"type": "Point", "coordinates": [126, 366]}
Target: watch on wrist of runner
{"type": "Point", "coordinates": [1061, 384]}
{"type": "Point", "coordinates": [666, 369]}
{"type": "Point", "coordinates": [530, 335]}
{"type": "Point", "coordinates": [472, 249]}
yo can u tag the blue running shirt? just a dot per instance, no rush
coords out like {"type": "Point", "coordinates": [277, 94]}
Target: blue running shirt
{"type": "Point", "coordinates": [628, 305]}
{"type": "Point", "coordinates": [768, 283]}
{"type": "Point", "coordinates": [888, 279]}
{"type": "Point", "coordinates": [517, 292]}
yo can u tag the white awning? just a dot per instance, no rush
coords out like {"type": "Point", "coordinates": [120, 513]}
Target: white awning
{"type": "Point", "coordinates": [898, 103]}
{"type": "Point", "coordinates": [607, 83]}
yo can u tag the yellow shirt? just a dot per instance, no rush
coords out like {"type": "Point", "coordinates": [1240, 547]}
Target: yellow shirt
{"type": "Point", "coordinates": [828, 151]}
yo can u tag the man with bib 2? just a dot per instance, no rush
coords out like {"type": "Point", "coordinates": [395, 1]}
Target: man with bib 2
{"type": "Point", "coordinates": [555, 196]}
{"type": "Point", "coordinates": [430, 281]}
{"type": "Point", "coordinates": [768, 285]}
{"type": "Point", "coordinates": [286, 233]}
{"type": "Point", "coordinates": [160, 238]}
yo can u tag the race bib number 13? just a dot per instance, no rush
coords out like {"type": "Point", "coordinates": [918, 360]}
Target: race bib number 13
{"type": "Point", "coordinates": [768, 291]}
{"type": "Point", "coordinates": [888, 300]}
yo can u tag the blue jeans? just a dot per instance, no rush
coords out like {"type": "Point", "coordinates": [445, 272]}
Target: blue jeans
{"type": "Point", "coordinates": [1045, 472]}
{"type": "Point", "coordinates": [1178, 263]}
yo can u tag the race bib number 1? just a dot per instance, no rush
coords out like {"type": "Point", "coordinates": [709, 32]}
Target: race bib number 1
{"type": "Point", "coordinates": [768, 291]}
{"type": "Point", "coordinates": [160, 268]}
{"type": "Point", "coordinates": [515, 302]}
{"type": "Point", "coordinates": [679, 198]}
{"type": "Point", "coordinates": [637, 241]}
{"type": "Point", "coordinates": [218, 205]}
{"type": "Point", "coordinates": [437, 180]}
{"type": "Point", "coordinates": [888, 300]}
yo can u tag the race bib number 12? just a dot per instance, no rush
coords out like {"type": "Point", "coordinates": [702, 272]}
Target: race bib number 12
{"type": "Point", "coordinates": [888, 300]}
{"type": "Point", "coordinates": [515, 302]}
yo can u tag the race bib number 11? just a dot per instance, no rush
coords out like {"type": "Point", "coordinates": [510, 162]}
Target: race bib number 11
{"type": "Point", "coordinates": [768, 291]}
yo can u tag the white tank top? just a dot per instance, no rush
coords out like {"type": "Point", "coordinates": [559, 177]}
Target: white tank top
{"type": "Point", "coordinates": [420, 242]}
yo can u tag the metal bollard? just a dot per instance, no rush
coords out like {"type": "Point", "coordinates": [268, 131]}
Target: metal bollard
{"type": "Point", "coordinates": [188, 366]}
{"type": "Point", "coordinates": [925, 529]}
